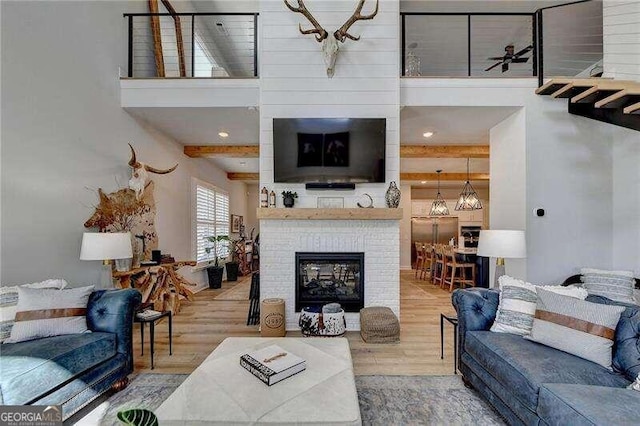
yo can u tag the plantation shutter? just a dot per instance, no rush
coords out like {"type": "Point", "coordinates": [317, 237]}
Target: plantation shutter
{"type": "Point", "coordinates": [212, 220]}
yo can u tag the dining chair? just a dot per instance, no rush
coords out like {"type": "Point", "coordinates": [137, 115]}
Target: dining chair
{"type": "Point", "coordinates": [427, 263]}
{"type": "Point", "coordinates": [439, 269]}
{"type": "Point", "coordinates": [419, 258]}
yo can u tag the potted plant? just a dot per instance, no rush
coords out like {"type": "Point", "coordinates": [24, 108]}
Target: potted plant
{"type": "Point", "coordinates": [288, 198]}
{"type": "Point", "coordinates": [234, 264]}
{"type": "Point", "coordinates": [215, 272]}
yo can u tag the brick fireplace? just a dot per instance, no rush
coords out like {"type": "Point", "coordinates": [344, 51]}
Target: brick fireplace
{"type": "Point", "coordinates": [378, 240]}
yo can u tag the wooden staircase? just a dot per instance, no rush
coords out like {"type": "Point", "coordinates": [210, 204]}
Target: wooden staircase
{"type": "Point", "coordinates": [613, 101]}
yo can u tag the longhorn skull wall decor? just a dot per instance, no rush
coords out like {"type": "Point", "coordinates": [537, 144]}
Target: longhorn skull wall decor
{"type": "Point", "coordinates": [330, 45]}
{"type": "Point", "coordinates": [139, 175]}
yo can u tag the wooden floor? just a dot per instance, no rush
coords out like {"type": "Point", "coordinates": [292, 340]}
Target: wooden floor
{"type": "Point", "coordinates": [204, 323]}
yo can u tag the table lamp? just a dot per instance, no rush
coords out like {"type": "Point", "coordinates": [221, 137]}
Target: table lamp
{"type": "Point", "coordinates": [107, 246]}
{"type": "Point", "coordinates": [502, 244]}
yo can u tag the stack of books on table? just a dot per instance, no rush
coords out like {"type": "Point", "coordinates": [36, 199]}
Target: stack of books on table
{"type": "Point", "coordinates": [272, 364]}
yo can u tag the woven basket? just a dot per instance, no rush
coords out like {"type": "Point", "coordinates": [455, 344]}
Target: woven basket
{"type": "Point", "coordinates": [379, 325]}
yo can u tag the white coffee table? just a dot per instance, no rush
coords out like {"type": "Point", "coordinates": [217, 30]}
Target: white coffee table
{"type": "Point", "coordinates": [220, 391]}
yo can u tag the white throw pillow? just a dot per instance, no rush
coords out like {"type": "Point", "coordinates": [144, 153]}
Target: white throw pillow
{"type": "Point", "coordinates": [517, 305]}
{"type": "Point", "coordinates": [614, 285]}
{"type": "Point", "coordinates": [9, 301]}
{"type": "Point", "coordinates": [49, 312]}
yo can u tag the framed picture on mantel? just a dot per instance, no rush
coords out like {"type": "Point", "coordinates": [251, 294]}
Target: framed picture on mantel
{"type": "Point", "coordinates": [236, 223]}
{"type": "Point", "coordinates": [330, 202]}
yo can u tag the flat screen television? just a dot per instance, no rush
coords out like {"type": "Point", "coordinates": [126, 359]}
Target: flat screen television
{"type": "Point", "coordinates": [329, 150]}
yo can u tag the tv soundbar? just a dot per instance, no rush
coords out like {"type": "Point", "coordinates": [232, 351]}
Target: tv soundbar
{"type": "Point", "coordinates": [335, 185]}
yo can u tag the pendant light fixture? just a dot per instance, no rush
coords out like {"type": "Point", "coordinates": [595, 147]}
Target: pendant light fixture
{"type": "Point", "coordinates": [439, 206]}
{"type": "Point", "coordinates": [468, 199]}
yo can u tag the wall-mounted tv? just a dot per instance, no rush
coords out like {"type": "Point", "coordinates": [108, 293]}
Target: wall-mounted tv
{"type": "Point", "coordinates": [329, 150]}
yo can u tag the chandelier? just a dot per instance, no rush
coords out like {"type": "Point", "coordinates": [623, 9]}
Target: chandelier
{"type": "Point", "coordinates": [468, 199]}
{"type": "Point", "coordinates": [439, 206]}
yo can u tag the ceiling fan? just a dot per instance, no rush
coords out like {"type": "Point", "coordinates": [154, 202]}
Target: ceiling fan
{"type": "Point", "coordinates": [510, 57]}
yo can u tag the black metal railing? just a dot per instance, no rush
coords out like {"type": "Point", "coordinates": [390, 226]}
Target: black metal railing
{"type": "Point", "coordinates": [187, 45]}
{"type": "Point", "coordinates": [561, 40]}
{"type": "Point", "coordinates": [570, 40]}
{"type": "Point", "coordinates": [468, 44]}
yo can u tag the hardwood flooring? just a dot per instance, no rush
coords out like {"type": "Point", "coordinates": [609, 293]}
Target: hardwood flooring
{"type": "Point", "coordinates": [204, 323]}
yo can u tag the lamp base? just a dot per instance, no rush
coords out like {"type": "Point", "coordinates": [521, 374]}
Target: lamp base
{"type": "Point", "coordinates": [500, 271]}
{"type": "Point", "coordinates": [106, 277]}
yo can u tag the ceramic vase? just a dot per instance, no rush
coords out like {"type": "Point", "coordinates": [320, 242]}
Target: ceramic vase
{"type": "Point", "coordinates": [392, 196]}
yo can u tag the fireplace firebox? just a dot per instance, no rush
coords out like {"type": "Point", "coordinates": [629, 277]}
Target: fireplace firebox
{"type": "Point", "coordinates": [330, 277]}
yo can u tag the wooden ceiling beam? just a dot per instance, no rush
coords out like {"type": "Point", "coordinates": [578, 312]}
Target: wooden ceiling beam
{"type": "Point", "coordinates": [444, 151]}
{"type": "Point", "coordinates": [443, 176]}
{"type": "Point", "coordinates": [243, 176]}
{"type": "Point", "coordinates": [243, 151]}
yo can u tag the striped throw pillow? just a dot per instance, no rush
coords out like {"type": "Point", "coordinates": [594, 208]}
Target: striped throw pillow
{"type": "Point", "coordinates": [9, 301]}
{"type": "Point", "coordinates": [49, 312]}
{"type": "Point", "coordinates": [581, 328]}
{"type": "Point", "coordinates": [517, 305]}
{"type": "Point", "coordinates": [614, 285]}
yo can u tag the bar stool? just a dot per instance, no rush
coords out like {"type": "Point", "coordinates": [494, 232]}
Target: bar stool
{"type": "Point", "coordinates": [427, 264]}
{"type": "Point", "coordinates": [454, 265]}
{"type": "Point", "coordinates": [419, 258]}
{"type": "Point", "coordinates": [440, 261]}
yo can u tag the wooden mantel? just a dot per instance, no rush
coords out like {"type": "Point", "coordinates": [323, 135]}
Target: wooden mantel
{"type": "Point", "coordinates": [328, 214]}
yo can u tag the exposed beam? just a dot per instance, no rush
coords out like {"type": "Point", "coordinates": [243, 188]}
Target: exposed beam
{"type": "Point", "coordinates": [178, 27]}
{"type": "Point", "coordinates": [157, 38]}
{"type": "Point", "coordinates": [443, 176]}
{"type": "Point", "coordinates": [243, 176]}
{"type": "Point", "coordinates": [444, 151]}
{"type": "Point", "coordinates": [244, 151]}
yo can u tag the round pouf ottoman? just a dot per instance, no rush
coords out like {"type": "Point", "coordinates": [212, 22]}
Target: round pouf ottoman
{"type": "Point", "coordinates": [272, 318]}
{"type": "Point", "coordinates": [378, 324]}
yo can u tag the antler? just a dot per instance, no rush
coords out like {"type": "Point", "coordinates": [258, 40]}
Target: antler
{"type": "Point", "coordinates": [319, 32]}
{"type": "Point", "coordinates": [158, 171]}
{"type": "Point", "coordinates": [342, 33]}
{"type": "Point", "coordinates": [133, 162]}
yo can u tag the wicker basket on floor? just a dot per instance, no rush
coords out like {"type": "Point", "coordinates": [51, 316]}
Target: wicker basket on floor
{"type": "Point", "coordinates": [379, 325]}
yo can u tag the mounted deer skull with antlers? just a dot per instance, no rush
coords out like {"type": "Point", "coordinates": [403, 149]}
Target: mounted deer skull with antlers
{"type": "Point", "coordinates": [330, 45]}
{"type": "Point", "coordinates": [139, 175]}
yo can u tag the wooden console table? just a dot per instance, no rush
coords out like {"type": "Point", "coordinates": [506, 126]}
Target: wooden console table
{"type": "Point", "coordinates": [160, 285]}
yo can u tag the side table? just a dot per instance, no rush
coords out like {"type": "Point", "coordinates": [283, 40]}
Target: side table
{"type": "Point", "coordinates": [453, 321]}
{"type": "Point", "coordinates": [152, 323]}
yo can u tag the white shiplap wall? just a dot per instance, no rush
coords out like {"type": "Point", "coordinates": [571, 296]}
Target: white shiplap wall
{"type": "Point", "coordinates": [294, 82]}
{"type": "Point", "coordinates": [621, 33]}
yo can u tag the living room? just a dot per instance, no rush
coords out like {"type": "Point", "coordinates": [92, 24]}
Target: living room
{"type": "Point", "coordinates": [70, 107]}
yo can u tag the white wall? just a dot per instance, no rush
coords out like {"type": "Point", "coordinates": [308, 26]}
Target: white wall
{"type": "Point", "coordinates": [65, 135]}
{"type": "Point", "coordinates": [294, 83]}
{"type": "Point", "coordinates": [253, 202]}
{"type": "Point", "coordinates": [508, 183]}
{"type": "Point", "coordinates": [626, 202]}
{"type": "Point", "coordinates": [568, 172]}
{"type": "Point", "coordinates": [405, 227]}
{"type": "Point", "coordinates": [621, 39]}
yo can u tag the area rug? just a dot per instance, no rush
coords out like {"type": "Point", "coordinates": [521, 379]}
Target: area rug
{"type": "Point", "coordinates": [384, 400]}
{"type": "Point", "coordinates": [239, 291]}
{"type": "Point", "coordinates": [422, 400]}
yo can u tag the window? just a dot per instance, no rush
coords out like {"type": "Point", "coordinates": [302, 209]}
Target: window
{"type": "Point", "coordinates": [212, 219]}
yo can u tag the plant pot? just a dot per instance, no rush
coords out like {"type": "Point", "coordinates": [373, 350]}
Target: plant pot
{"type": "Point", "coordinates": [232, 271]}
{"type": "Point", "coordinates": [215, 276]}
{"type": "Point", "coordinates": [288, 201]}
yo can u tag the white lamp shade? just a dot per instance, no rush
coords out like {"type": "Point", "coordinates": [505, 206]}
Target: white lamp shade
{"type": "Point", "coordinates": [502, 243]}
{"type": "Point", "coordinates": [106, 246]}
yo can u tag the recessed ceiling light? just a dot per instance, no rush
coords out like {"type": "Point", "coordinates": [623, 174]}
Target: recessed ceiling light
{"type": "Point", "coordinates": [423, 182]}
{"type": "Point", "coordinates": [223, 134]}
{"type": "Point", "coordinates": [427, 134]}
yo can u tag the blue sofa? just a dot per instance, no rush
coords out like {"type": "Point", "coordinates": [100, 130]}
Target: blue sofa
{"type": "Point", "coordinates": [530, 384]}
{"type": "Point", "coordinates": [72, 370]}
